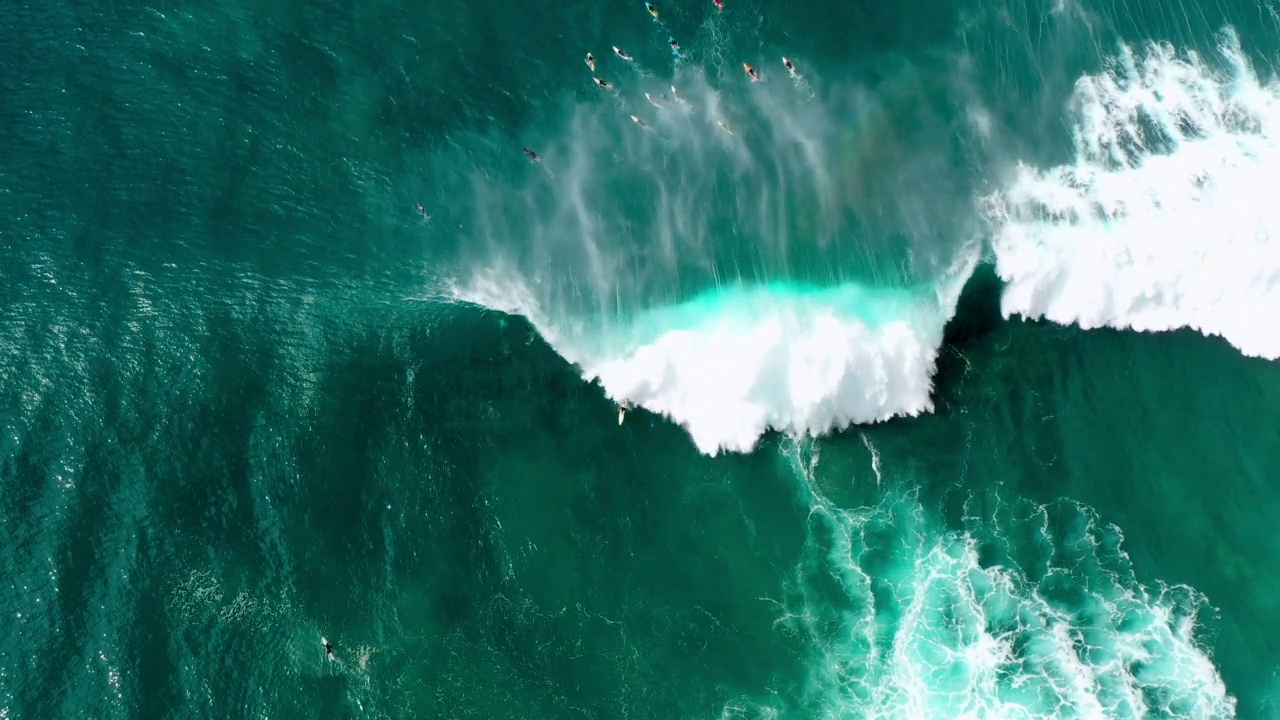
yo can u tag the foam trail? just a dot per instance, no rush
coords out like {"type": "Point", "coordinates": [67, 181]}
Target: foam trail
{"type": "Point", "coordinates": [1166, 219]}
{"type": "Point", "coordinates": [906, 618]}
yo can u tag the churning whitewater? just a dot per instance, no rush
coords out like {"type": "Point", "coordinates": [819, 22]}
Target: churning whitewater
{"type": "Point", "coordinates": [1167, 217]}
{"type": "Point", "coordinates": [906, 619]}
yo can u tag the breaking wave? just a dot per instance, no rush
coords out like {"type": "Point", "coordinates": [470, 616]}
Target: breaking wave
{"type": "Point", "coordinates": [740, 360]}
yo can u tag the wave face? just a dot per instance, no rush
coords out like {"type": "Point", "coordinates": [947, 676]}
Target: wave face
{"type": "Point", "coordinates": [740, 360]}
{"type": "Point", "coordinates": [1032, 611]}
{"type": "Point", "coordinates": [1164, 219]}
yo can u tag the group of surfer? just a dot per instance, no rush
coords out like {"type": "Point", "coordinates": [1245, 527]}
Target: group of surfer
{"type": "Point", "coordinates": [675, 51]}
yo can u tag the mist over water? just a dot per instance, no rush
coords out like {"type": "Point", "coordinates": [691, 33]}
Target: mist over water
{"type": "Point", "coordinates": [752, 183]}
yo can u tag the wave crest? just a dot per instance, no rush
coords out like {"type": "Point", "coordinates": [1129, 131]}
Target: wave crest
{"type": "Point", "coordinates": [731, 364]}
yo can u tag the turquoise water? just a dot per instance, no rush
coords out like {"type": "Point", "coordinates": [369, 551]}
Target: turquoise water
{"type": "Point", "coordinates": [250, 398]}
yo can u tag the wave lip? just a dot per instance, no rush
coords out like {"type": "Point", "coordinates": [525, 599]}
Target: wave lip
{"type": "Point", "coordinates": [1165, 219]}
{"type": "Point", "coordinates": [738, 361]}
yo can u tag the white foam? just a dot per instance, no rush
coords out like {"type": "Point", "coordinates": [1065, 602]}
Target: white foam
{"type": "Point", "coordinates": [1167, 218]}
{"type": "Point", "coordinates": [907, 618]}
{"type": "Point", "coordinates": [731, 365]}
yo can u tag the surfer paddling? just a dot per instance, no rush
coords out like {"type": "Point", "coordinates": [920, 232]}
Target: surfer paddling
{"type": "Point", "coordinates": [602, 83]}
{"type": "Point", "coordinates": [652, 10]}
{"type": "Point", "coordinates": [622, 54]}
{"type": "Point", "coordinates": [791, 68]}
{"type": "Point", "coordinates": [591, 62]}
{"type": "Point", "coordinates": [423, 212]}
{"type": "Point", "coordinates": [534, 157]}
{"type": "Point", "coordinates": [720, 5]}
{"type": "Point", "coordinates": [652, 102]}
{"type": "Point", "coordinates": [328, 650]}
{"type": "Point", "coordinates": [675, 46]}
{"type": "Point", "coordinates": [751, 72]}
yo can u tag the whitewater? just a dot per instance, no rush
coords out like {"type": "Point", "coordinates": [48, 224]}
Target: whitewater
{"type": "Point", "coordinates": [1160, 222]}
{"type": "Point", "coordinates": [1166, 219]}
{"type": "Point", "coordinates": [736, 362]}
{"type": "Point", "coordinates": [905, 618]}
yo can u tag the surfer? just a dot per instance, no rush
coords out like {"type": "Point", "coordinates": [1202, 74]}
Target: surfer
{"type": "Point", "coordinates": [675, 46]}
{"type": "Point", "coordinates": [653, 102]}
{"type": "Point", "coordinates": [791, 69]}
{"type": "Point", "coordinates": [724, 127]}
{"type": "Point", "coordinates": [720, 5]}
{"type": "Point", "coordinates": [423, 212]}
{"type": "Point", "coordinates": [532, 155]}
{"type": "Point", "coordinates": [676, 94]}
{"type": "Point", "coordinates": [591, 62]}
{"type": "Point", "coordinates": [603, 84]}
{"type": "Point", "coordinates": [638, 121]}
{"type": "Point", "coordinates": [328, 650]}
{"type": "Point", "coordinates": [751, 72]}
{"type": "Point", "coordinates": [652, 10]}
{"type": "Point", "coordinates": [622, 54]}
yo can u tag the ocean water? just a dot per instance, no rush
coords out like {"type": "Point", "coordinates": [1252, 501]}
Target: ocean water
{"type": "Point", "coordinates": [936, 381]}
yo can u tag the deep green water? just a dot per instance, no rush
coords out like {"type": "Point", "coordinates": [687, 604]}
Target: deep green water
{"type": "Point", "coordinates": [241, 412]}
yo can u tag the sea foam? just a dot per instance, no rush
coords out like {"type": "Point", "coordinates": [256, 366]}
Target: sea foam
{"type": "Point", "coordinates": [735, 362]}
{"type": "Point", "coordinates": [1167, 217]}
{"type": "Point", "coordinates": [906, 617]}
